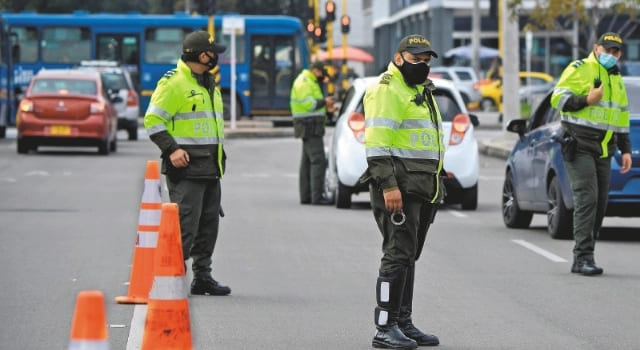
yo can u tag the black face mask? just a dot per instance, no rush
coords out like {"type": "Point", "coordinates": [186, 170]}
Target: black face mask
{"type": "Point", "coordinates": [414, 73]}
{"type": "Point", "coordinates": [213, 61]}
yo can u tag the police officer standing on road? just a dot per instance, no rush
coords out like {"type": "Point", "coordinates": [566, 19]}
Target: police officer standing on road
{"type": "Point", "coordinates": [404, 147]}
{"type": "Point", "coordinates": [309, 109]}
{"type": "Point", "coordinates": [595, 118]}
{"type": "Point", "coordinates": [185, 121]}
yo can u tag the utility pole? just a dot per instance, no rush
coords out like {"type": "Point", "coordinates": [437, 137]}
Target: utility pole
{"type": "Point", "coordinates": [475, 36]}
{"type": "Point", "coordinates": [511, 65]}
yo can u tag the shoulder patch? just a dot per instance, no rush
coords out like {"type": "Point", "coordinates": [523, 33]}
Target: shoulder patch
{"type": "Point", "coordinates": [384, 79]}
{"type": "Point", "coordinates": [169, 73]}
{"type": "Point", "coordinates": [577, 63]}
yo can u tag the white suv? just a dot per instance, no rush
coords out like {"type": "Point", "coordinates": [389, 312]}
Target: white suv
{"type": "Point", "coordinates": [464, 78]}
{"type": "Point", "coordinates": [117, 79]}
{"type": "Point", "coordinates": [348, 161]}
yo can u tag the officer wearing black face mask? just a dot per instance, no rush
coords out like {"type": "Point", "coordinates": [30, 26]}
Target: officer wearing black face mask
{"type": "Point", "coordinates": [405, 150]}
{"type": "Point", "coordinates": [185, 121]}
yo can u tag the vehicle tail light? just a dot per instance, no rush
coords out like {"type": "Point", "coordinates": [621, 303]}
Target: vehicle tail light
{"type": "Point", "coordinates": [26, 106]}
{"type": "Point", "coordinates": [356, 124]}
{"type": "Point", "coordinates": [459, 127]}
{"type": "Point", "coordinates": [97, 107]}
{"type": "Point", "coordinates": [132, 99]}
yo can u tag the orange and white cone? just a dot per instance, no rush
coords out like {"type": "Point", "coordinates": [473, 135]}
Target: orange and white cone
{"type": "Point", "coordinates": [89, 324]}
{"type": "Point", "coordinates": [167, 324]}
{"type": "Point", "coordinates": [148, 226]}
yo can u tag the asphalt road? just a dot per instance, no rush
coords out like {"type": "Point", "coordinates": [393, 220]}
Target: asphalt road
{"type": "Point", "coordinates": [303, 277]}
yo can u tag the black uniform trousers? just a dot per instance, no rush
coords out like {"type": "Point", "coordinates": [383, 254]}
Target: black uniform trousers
{"type": "Point", "coordinates": [199, 205]}
{"type": "Point", "coordinates": [402, 244]}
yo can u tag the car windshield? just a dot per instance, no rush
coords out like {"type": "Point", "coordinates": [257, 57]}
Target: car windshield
{"type": "Point", "coordinates": [634, 103]}
{"type": "Point", "coordinates": [114, 81]}
{"type": "Point", "coordinates": [447, 104]}
{"type": "Point", "coordinates": [70, 86]}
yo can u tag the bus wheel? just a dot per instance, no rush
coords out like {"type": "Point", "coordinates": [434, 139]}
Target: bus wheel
{"type": "Point", "coordinates": [3, 132]}
{"type": "Point", "coordinates": [226, 106]}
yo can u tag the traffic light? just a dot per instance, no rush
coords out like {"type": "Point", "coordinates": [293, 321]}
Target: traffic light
{"type": "Point", "coordinates": [311, 27]}
{"type": "Point", "coordinates": [345, 21]}
{"type": "Point", "coordinates": [330, 7]}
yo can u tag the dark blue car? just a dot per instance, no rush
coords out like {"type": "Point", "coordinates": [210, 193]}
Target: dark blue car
{"type": "Point", "coordinates": [537, 182]}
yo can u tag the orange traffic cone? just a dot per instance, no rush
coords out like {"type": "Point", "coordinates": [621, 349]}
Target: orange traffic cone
{"type": "Point", "coordinates": [148, 225]}
{"type": "Point", "coordinates": [89, 325]}
{"type": "Point", "coordinates": [167, 325]}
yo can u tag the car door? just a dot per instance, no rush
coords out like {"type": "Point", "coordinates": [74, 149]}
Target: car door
{"type": "Point", "coordinates": [547, 124]}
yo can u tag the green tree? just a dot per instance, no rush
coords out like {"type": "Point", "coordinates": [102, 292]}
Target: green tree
{"type": "Point", "coordinates": [560, 15]}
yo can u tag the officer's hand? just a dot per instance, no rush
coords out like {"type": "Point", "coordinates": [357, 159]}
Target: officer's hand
{"type": "Point", "coordinates": [595, 94]}
{"type": "Point", "coordinates": [626, 163]}
{"type": "Point", "coordinates": [330, 104]}
{"type": "Point", "coordinates": [393, 201]}
{"type": "Point", "coordinates": [179, 158]}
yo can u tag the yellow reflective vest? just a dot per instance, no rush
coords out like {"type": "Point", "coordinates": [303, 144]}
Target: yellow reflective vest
{"type": "Point", "coordinates": [185, 114]}
{"type": "Point", "coordinates": [594, 126]}
{"type": "Point", "coordinates": [404, 139]}
{"type": "Point", "coordinates": [307, 105]}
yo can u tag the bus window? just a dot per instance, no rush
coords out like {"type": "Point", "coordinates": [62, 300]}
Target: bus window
{"type": "Point", "coordinates": [27, 39]}
{"type": "Point", "coordinates": [163, 45]}
{"type": "Point", "coordinates": [225, 40]}
{"type": "Point", "coordinates": [65, 44]}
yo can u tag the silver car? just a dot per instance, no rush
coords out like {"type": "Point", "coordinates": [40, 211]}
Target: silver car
{"type": "Point", "coordinates": [464, 78]}
{"type": "Point", "coordinates": [348, 161]}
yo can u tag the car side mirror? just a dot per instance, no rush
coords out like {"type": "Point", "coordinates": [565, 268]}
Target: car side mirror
{"type": "Point", "coordinates": [474, 120]}
{"type": "Point", "coordinates": [519, 126]}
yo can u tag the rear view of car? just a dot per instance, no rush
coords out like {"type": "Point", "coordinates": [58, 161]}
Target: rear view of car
{"type": "Point", "coordinates": [347, 156]}
{"type": "Point", "coordinates": [117, 80]}
{"type": "Point", "coordinates": [66, 107]}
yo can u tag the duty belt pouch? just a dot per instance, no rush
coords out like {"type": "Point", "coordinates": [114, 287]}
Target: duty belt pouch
{"type": "Point", "coordinates": [569, 147]}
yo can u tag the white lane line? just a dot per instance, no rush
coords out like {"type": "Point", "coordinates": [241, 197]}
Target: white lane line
{"type": "Point", "coordinates": [134, 342]}
{"type": "Point", "coordinates": [457, 214]}
{"type": "Point", "coordinates": [534, 248]}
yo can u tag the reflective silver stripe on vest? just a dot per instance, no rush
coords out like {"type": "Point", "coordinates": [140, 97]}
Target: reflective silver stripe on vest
{"type": "Point", "coordinates": [382, 122]}
{"type": "Point", "coordinates": [404, 153]}
{"type": "Point", "coordinates": [168, 288]}
{"type": "Point", "coordinates": [306, 99]}
{"type": "Point", "coordinates": [565, 95]}
{"type": "Point", "coordinates": [153, 109]}
{"type": "Point", "coordinates": [147, 239]}
{"type": "Point", "coordinates": [207, 140]}
{"type": "Point", "coordinates": [197, 115]}
{"type": "Point", "coordinates": [406, 124]}
{"type": "Point", "coordinates": [600, 126]}
{"type": "Point", "coordinates": [156, 129]}
{"type": "Point", "coordinates": [310, 114]}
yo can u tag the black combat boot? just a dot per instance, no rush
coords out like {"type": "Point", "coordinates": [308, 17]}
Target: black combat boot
{"type": "Point", "coordinates": [208, 286]}
{"type": "Point", "coordinates": [389, 297]}
{"type": "Point", "coordinates": [404, 319]}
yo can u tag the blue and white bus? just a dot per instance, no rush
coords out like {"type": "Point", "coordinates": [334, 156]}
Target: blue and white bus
{"type": "Point", "coordinates": [269, 54]}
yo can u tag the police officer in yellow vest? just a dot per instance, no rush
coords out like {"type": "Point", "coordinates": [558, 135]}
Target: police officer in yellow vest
{"type": "Point", "coordinates": [185, 121]}
{"type": "Point", "coordinates": [404, 147]}
{"type": "Point", "coordinates": [309, 108]}
{"type": "Point", "coordinates": [595, 119]}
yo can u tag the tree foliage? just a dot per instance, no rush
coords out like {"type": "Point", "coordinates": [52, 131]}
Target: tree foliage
{"type": "Point", "coordinates": [553, 15]}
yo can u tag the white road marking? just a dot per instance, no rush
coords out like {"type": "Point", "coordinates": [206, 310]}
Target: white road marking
{"type": "Point", "coordinates": [534, 248]}
{"type": "Point", "coordinates": [457, 214]}
{"type": "Point", "coordinates": [117, 326]}
{"type": "Point", "coordinates": [37, 173]}
{"type": "Point", "coordinates": [134, 342]}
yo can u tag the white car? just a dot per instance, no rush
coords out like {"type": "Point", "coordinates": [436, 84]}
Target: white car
{"type": "Point", "coordinates": [464, 78]}
{"type": "Point", "coordinates": [348, 161]}
{"type": "Point", "coordinates": [118, 80]}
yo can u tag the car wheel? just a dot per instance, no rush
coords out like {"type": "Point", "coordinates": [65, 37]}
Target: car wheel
{"type": "Point", "coordinates": [487, 105]}
{"type": "Point", "coordinates": [104, 146]}
{"type": "Point", "coordinates": [23, 146]}
{"type": "Point", "coordinates": [512, 216]}
{"type": "Point", "coordinates": [113, 145]}
{"type": "Point", "coordinates": [133, 133]}
{"type": "Point", "coordinates": [3, 132]}
{"type": "Point", "coordinates": [343, 196]}
{"type": "Point", "coordinates": [559, 218]}
{"type": "Point", "coordinates": [470, 198]}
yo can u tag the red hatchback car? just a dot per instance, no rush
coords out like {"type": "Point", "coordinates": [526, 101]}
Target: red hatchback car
{"type": "Point", "coordinates": [67, 107]}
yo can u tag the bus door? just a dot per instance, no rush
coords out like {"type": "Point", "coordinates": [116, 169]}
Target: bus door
{"type": "Point", "coordinates": [272, 73]}
{"type": "Point", "coordinates": [124, 48]}
{"type": "Point", "coordinates": [5, 49]}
